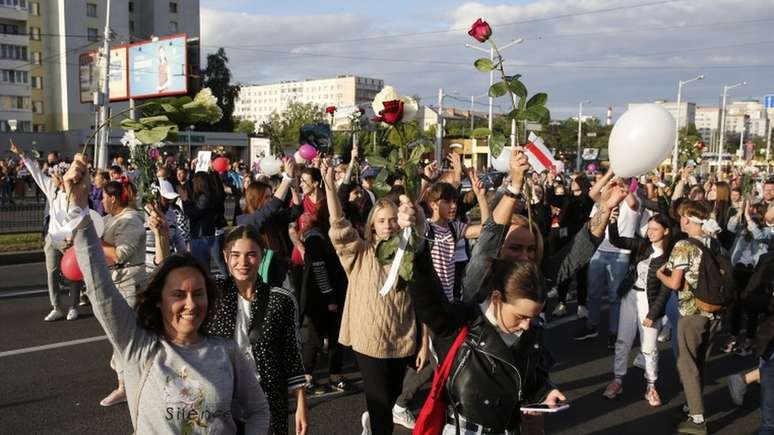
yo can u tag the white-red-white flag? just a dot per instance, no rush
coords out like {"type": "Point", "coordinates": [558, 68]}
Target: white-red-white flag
{"type": "Point", "coordinates": [540, 157]}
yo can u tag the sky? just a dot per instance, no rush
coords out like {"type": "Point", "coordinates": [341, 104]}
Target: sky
{"type": "Point", "coordinates": [611, 52]}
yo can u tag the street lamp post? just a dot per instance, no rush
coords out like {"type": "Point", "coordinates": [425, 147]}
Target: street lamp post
{"type": "Point", "coordinates": [580, 133]}
{"type": "Point", "coordinates": [722, 145]}
{"type": "Point", "coordinates": [491, 82]}
{"type": "Point", "coordinates": [680, 84]}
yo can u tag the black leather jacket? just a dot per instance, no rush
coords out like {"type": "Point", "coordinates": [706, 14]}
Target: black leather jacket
{"type": "Point", "coordinates": [489, 380]}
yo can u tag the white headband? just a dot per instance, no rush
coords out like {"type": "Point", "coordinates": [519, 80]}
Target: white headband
{"type": "Point", "coordinates": [709, 226]}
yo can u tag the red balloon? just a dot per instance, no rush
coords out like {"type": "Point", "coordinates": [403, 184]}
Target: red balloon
{"type": "Point", "coordinates": [69, 266]}
{"type": "Point", "coordinates": [220, 164]}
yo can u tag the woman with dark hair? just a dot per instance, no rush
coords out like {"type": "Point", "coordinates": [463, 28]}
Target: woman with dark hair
{"type": "Point", "coordinates": [719, 197]}
{"type": "Point", "coordinates": [262, 321]}
{"type": "Point", "coordinates": [643, 303]}
{"type": "Point", "coordinates": [200, 210]}
{"type": "Point", "coordinates": [497, 369]}
{"type": "Point", "coordinates": [124, 245]}
{"type": "Point", "coordinates": [178, 378]}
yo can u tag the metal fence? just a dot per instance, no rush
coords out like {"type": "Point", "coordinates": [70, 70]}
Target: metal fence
{"type": "Point", "coordinates": [28, 217]}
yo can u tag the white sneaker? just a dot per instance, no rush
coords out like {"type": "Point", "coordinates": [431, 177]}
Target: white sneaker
{"type": "Point", "coordinates": [403, 417]}
{"type": "Point", "coordinates": [582, 312]}
{"type": "Point", "coordinates": [639, 361]}
{"type": "Point", "coordinates": [54, 315]}
{"type": "Point", "coordinates": [365, 420]}
{"type": "Point", "coordinates": [72, 314]}
{"type": "Point", "coordinates": [560, 310]}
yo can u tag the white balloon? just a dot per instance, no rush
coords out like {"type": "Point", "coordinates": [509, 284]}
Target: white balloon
{"type": "Point", "coordinates": [641, 139]}
{"type": "Point", "coordinates": [271, 165]}
{"type": "Point", "coordinates": [299, 160]}
{"type": "Point", "coordinates": [503, 162]}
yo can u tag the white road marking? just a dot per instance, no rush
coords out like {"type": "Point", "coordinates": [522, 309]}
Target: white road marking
{"type": "Point", "coordinates": [52, 346]}
{"type": "Point", "coordinates": [22, 293]}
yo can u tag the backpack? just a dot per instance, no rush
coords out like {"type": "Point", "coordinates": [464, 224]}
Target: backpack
{"type": "Point", "coordinates": [715, 289]}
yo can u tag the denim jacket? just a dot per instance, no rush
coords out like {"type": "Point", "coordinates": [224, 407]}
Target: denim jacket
{"type": "Point", "coordinates": [758, 243]}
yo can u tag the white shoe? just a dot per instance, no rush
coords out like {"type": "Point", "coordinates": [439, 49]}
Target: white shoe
{"type": "Point", "coordinates": [403, 417]}
{"type": "Point", "coordinates": [560, 310]}
{"type": "Point", "coordinates": [365, 420]}
{"type": "Point", "coordinates": [54, 315]}
{"type": "Point", "coordinates": [639, 361]}
{"type": "Point", "coordinates": [72, 314]}
{"type": "Point", "coordinates": [582, 312]}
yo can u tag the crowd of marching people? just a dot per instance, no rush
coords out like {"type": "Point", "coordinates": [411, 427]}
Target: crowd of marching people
{"type": "Point", "coordinates": [218, 322]}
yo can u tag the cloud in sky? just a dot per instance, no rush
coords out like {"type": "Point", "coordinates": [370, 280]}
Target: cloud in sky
{"type": "Point", "coordinates": [572, 49]}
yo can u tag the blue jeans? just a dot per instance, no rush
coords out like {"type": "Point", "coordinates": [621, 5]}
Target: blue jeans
{"type": "Point", "coordinates": [216, 252]}
{"type": "Point", "coordinates": [767, 397]}
{"type": "Point", "coordinates": [606, 272]}
{"type": "Point", "coordinates": [200, 249]}
{"type": "Point", "coordinates": [673, 312]}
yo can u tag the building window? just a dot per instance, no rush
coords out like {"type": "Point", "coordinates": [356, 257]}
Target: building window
{"type": "Point", "coordinates": [173, 26]}
{"type": "Point", "coordinates": [172, 7]}
{"type": "Point", "coordinates": [35, 33]}
{"type": "Point", "coordinates": [14, 52]}
{"type": "Point", "coordinates": [35, 8]}
{"type": "Point", "coordinates": [14, 3]}
{"type": "Point", "coordinates": [38, 128]}
{"type": "Point", "coordinates": [37, 107]}
{"type": "Point", "coordinates": [92, 34]}
{"type": "Point", "coordinates": [9, 29]}
{"type": "Point", "coordinates": [131, 26]}
{"type": "Point", "coordinates": [91, 10]}
{"type": "Point", "coordinates": [131, 7]}
{"type": "Point", "coordinates": [37, 57]}
{"type": "Point", "coordinates": [37, 82]}
{"type": "Point", "coordinates": [14, 76]}
{"type": "Point", "coordinates": [10, 102]}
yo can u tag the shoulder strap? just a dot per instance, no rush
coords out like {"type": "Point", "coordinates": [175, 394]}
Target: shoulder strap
{"type": "Point", "coordinates": [453, 231]}
{"type": "Point", "coordinates": [448, 361]}
{"type": "Point", "coordinates": [143, 377]}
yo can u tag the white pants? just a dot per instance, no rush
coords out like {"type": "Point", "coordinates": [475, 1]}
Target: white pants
{"type": "Point", "coordinates": [634, 308]}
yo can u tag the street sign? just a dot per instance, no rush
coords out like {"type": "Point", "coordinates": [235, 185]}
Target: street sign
{"type": "Point", "coordinates": [534, 126]}
{"type": "Point", "coordinates": [592, 134]}
{"type": "Point", "coordinates": [768, 101]}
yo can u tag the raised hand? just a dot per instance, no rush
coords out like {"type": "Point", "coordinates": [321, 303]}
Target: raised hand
{"type": "Point", "coordinates": [519, 166]}
{"type": "Point", "coordinates": [289, 166]}
{"type": "Point", "coordinates": [326, 170]}
{"type": "Point", "coordinates": [431, 170]}
{"type": "Point", "coordinates": [16, 149]}
{"type": "Point", "coordinates": [475, 183]}
{"type": "Point", "coordinates": [407, 212]}
{"type": "Point", "coordinates": [77, 183]}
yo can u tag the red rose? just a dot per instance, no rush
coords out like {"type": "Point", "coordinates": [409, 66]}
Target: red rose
{"type": "Point", "coordinates": [330, 109]}
{"type": "Point", "coordinates": [480, 30]}
{"type": "Point", "coordinates": [392, 112]}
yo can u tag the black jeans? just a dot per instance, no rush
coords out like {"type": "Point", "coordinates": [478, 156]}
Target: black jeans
{"type": "Point", "coordinates": [382, 381]}
{"type": "Point", "coordinates": [742, 275]}
{"type": "Point", "coordinates": [414, 381]}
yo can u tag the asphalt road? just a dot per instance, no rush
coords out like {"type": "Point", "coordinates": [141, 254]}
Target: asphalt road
{"type": "Point", "coordinates": [54, 374]}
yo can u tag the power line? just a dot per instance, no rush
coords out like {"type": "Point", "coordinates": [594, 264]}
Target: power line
{"type": "Point", "coordinates": [436, 32]}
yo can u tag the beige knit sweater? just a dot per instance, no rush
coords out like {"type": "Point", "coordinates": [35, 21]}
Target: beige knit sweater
{"type": "Point", "coordinates": [374, 325]}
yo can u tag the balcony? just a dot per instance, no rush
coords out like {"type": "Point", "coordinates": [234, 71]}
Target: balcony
{"type": "Point", "coordinates": [8, 38]}
{"type": "Point", "coordinates": [13, 13]}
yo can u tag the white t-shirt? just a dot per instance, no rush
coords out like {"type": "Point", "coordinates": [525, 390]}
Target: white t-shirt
{"type": "Point", "coordinates": [642, 269]}
{"type": "Point", "coordinates": [242, 330]}
{"type": "Point", "coordinates": [628, 221]}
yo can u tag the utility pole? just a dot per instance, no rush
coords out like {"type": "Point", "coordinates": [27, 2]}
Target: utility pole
{"type": "Point", "coordinates": [580, 133]}
{"type": "Point", "coordinates": [768, 141]}
{"type": "Point", "coordinates": [104, 98]}
{"type": "Point", "coordinates": [675, 152]}
{"type": "Point", "coordinates": [472, 117]}
{"type": "Point", "coordinates": [439, 129]}
{"type": "Point", "coordinates": [721, 144]}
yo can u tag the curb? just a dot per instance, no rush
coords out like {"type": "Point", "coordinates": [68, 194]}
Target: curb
{"type": "Point", "coordinates": [14, 258]}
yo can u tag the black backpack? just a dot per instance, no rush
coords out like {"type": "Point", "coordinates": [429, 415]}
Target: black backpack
{"type": "Point", "coordinates": [716, 289]}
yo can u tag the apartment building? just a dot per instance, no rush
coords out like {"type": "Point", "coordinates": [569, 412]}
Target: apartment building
{"type": "Point", "coordinates": [15, 78]}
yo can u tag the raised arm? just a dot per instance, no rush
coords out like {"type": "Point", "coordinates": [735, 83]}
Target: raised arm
{"type": "Point", "coordinates": [596, 189]}
{"type": "Point", "coordinates": [110, 308]}
{"type": "Point", "coordinates": [43, 181]}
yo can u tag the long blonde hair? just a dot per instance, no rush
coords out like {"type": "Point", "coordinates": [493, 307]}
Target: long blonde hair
{"type": "Point", "coordinates": [519, 221]}
{"type": "Point", "coordinates": [368, 231]}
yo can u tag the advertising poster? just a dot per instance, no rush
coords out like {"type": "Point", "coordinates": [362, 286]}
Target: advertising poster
{"type": "Point", "coordinates": [158, 68]}
{"type": "Point", "coordinates": [91, 75]}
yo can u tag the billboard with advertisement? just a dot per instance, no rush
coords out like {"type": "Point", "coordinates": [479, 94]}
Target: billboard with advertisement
{"type": "Point", "coordinates": [158, 68]}
{"type": "Point", "coordinates": [91, 77]}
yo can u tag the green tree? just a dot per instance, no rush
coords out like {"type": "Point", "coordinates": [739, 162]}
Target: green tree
{"type": "Point", "coordinates": [283, 128]}
{"type": "Point", "coordinates": [244, 126]}
{"type": "Point", "coordinates": [217, 77]}
{"type": "Point", "coordinates": [689, 137]}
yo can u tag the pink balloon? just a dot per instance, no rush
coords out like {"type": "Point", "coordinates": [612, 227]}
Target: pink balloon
{"type": "Point", "coordinates": [591, 167]}
{"type": "Point", "coordinates": [69, 266]}
{"type": "Point", "coordinates": [307, 151]}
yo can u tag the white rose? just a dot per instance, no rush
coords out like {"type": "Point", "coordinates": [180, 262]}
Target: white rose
{"type": "Point", "coordinates": [388, 93]}
{"type": "Point", "coordinates": [129, 140]}
{"type": "Point", "coordinates": [410, 109]}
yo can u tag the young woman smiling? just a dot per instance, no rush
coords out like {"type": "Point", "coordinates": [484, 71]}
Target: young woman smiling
{"type": "Point", "coordinates": [178, 379]}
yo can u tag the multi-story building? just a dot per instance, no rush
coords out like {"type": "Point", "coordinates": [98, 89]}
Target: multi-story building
{"type": "Point", "coordinates": [257, 102]}
{"type": "Point", "coordinates": [15, 35]}
{"type": "Point", "coordinates": [748, 116]}
{"type": "Point", "coordinates": [707, 122]}
{"type": "Point", "coordinates": [686, 110]}
{"type": "Point", "coordinates": [61, 30]}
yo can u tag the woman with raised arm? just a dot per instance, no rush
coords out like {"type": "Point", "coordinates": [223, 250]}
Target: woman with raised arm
{"type": "Point", "coordinates": [178, 379]}
{"type": "Point", "coordinates": [382, 330]}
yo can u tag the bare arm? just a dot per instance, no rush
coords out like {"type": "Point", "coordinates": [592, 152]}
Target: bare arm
{"type": "Point", "coordinates": [596, 189]}
{"type": "Point", "coordinates": [507, 205]}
